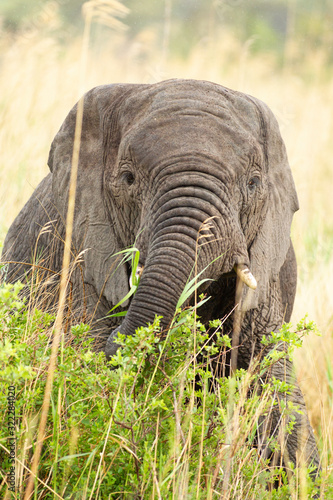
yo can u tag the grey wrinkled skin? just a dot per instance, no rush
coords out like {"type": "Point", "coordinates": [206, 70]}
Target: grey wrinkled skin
{"type": "Point", "coordinates": [157, 161]}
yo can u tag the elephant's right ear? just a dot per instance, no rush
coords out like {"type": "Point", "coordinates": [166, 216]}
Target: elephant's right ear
{"type": "Point", "coordinates": [93, 229]}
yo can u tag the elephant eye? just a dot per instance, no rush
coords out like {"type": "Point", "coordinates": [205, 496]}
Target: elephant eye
{"type": "Point", "coordinates": [253, 183]}
{"type": "Point", "coordinates": [128, 177]}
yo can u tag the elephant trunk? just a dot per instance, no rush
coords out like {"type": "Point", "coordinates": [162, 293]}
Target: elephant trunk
{"type": "Point", "coordinates": [170, 261]}
{"type": "Point", "coordinates": [192, 228]}
{"type": "Point", "coordinates": [163, 279]}
{"type": "Point", "coordinates": [173, 256]}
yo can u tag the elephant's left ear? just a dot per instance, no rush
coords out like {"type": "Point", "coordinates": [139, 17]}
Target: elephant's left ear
{"type": "Point", "coordinates": [269, 250]}
{"type": "Point", "coordinates": [93, 231]}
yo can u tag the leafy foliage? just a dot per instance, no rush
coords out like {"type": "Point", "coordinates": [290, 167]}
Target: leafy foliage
{"type": "Point", "coordinates": [153, 422]}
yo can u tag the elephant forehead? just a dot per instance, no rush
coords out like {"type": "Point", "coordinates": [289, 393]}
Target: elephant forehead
{"type": "Point", "coordinates": [189, 118]}
{"type": "Point", "coordinates": [186, 134]}
{"type": "Point", "coordinates": [173, 100]}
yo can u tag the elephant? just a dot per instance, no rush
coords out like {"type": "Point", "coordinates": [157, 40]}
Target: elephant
{"type": "Point", "coordinates": [160, 164]}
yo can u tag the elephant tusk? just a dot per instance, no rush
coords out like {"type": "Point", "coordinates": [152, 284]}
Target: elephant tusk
{"type": "Point", "coordinates": [244, 274]}
{"type": "Point", "coordinates": [138, 273]}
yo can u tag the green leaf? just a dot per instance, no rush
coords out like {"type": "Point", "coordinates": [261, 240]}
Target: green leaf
{"type": "Point", "coordinates": [127, 296]}
{"type": "Point", "coordinates": [135, 263]}
{"type": "Point", "coordinates": [118, 314]}
{"type": "Point", "coordinates": [190, 288]}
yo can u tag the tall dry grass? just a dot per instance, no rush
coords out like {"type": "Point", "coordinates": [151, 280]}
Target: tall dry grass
{"type": "Point", "coordinates": [40, 81]}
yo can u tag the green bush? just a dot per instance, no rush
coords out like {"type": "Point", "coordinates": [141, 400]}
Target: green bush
{"type": "Point", "coordinates": [151, 423]}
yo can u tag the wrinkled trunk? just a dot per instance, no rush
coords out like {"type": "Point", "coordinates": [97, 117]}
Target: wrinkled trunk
{"type": "Point", "coordinates": [172, 257]}
{"type": "Point", "coordinates": [187, 234]}
{"type": "Point", "coordinates": [164, 277]}
{"type": "Point", "coordinates": [165, 274]}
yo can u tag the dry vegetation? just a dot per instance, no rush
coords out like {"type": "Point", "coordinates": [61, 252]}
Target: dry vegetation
{"type": "Point", "coordinates": [40, 81]}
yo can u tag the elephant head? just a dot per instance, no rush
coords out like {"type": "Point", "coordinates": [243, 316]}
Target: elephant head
{"type": "Point", "coordinates": [156, 163]}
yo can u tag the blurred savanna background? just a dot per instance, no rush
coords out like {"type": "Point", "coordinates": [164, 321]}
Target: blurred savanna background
{"type": "Point", "coordinates": [280, 51]}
